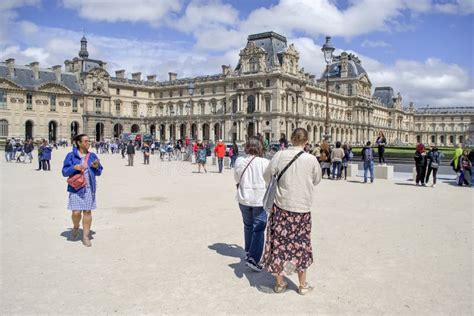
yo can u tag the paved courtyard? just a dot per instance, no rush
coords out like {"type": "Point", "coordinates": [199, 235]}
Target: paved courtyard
{"type": "Point", "coordinates": [169, 240]}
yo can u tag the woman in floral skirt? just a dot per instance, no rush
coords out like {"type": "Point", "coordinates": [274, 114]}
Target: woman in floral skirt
{"type": "Point", "coordinates": [288, 244]}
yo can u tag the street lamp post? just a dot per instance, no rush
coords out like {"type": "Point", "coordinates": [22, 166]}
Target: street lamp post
{"type": "Point", "coordinates": [328, 50]}
{"type": "Point", "coordinates": [189, 109]}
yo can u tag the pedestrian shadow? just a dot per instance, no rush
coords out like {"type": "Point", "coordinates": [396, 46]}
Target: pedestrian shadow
{"type": "Point", "coordinates": [68, 235]}
{"type": "Point", "coordinates": [355, 181]}
{"type": "Point", "coordinates": [406, 184]}
{"type": "Point", "coordinates": [262, 281]}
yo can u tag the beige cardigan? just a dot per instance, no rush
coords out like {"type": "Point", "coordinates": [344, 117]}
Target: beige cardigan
{"type": "Point", "coordinates": [295, 190]}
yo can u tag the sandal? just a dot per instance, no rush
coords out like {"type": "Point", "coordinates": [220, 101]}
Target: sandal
{"type": "Point", "coordinates": [305, 289]}
{"type": "Point", "coordinates": [86, 242]}
{"type": "Point", "coordinates": [75, 233]}
{"type": "Point", "coordinates": [280, 288]}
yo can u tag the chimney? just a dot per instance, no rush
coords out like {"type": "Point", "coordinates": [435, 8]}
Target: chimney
{"type": "Point", "coordinates": [137, 76]}
{"type": "Point", "coordinates": [35, 69]}
{"type": "Point", "coordinates": [67, 66]}
{"type": "Point", "coordinates": [120, 73]}
{"type": "Point", "coordinates": [225, 69]}
{"type": "Point", "coordinates": [311, 77]}
{"type": "Point", "coordinates": [173, 76]}
{"type": "Point", "coordinates": [57, 72]}
{"type": "Point", "coordinates": [11, 66]}
{"type": "Point", "coordinates": [151, 78]}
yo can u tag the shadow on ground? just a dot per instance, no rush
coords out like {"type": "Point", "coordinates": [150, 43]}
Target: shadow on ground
{"type": "Point", "coordinates": [68, 235]}
{"type": "Point", "coordinates": [262, 281]}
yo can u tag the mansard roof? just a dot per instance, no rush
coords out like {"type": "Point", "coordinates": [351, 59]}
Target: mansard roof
{"type": "Point", "coordinates": [24, 78]}
{"type": "Point", "coordinates": [386, 95]}
{"type": "Point", "coordinates": [354, 68]}
{"type": "Point", "coordinates": [273, 44]}
{"type": "Point", "coordinates": [180, 81]}
{"type": "Point", "coordinates": [445, 110]}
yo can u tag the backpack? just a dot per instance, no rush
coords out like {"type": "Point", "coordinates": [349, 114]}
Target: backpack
{"type": "Point", "coordinates": [231, 152]}
{"type": "Point", "coordinates": [351, 155]}
{"type": "Point", "coordinates": [368, 154]}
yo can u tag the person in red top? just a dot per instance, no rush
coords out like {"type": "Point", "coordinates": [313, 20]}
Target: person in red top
{"type": "Point", "coordinates": [219, 151]}
{"type": "Point", "coordinates": [195, 149]}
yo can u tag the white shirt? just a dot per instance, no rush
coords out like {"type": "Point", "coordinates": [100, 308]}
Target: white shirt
{"type": "Point", "coordinates": [295, 190]}
{"type": "Point", "coordinates": [252, 186]}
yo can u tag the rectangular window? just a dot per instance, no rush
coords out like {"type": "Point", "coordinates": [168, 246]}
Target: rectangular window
{"type": "Point", "coordinates": [29, 101]}
{"type": "Point", "coordinates": [74, 105]}
{"type": "Point", "coordinates": [161, 95]}
{"type": "Point", "coordinates": [98, 106]}
{"type": "Point", "coordinates": [3, 99]}
{"type": "Point", "coordinates": [135, 110]}
{"type": "Point", "coordinates": [134, 93]}
{"type": "Point", "coordinates": [171, 94]}
{"type": "Point", "coordinates": [117, 91]}
{"type": "Point", "coordinates": [52, 103]}
{"type": "Point", "coordinates": [267, 105]}
{"type": "Point", "coordinates": [149, 95]}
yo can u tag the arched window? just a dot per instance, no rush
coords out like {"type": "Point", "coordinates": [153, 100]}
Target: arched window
{"type": "Point", "coordinates": [3, 128]}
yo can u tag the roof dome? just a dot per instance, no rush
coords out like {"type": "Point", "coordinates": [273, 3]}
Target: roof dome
{"type": "Point", "coordinates": [345, 66]}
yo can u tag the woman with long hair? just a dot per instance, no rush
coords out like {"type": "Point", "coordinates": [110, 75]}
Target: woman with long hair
{"type": "Point", "coordinates": [381, 142]}
{"type": "Point", "coordinates": [82, 199]}
{"type": "Point", "coordinates": [420, 164]}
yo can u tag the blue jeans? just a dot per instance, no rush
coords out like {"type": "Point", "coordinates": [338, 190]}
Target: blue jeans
{"type": "Point", "coordinates": [220, 161]}
{"type": "Point", "coordinates": [336, 166]}
{"type": "Point", "coordinates": [7, 155]}
{"type": "Point", "coordinates": [232, 161]}
{"type": "Point", "coordinates": [13, 155]}
{"type": "Point", "coordinates": [255, 221]}
{"type": "Point", "coordinates": [369, 167]}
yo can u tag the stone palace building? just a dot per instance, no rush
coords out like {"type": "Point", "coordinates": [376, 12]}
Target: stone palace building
{"type": "Point", "coordinates": [267, 92]}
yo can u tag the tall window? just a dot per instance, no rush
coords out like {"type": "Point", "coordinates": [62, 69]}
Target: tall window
{"type": "Point", "coordinates": [74, 105]}
{"type": "Point", "coordinates": [213, 108]}
{"type": "Point", "coordinates": [267, 105]}
{"type": "Point", "coordinates": [98, 106]}
{"type": "Point", "coordinates": [117, 107]}
{"type": "Point", "coordinates": [171, 94]}
{"type": "Point", "coordinates": [3, 99]}
{"type": "Point", "coordinates": [135, 109]}
{"type": "Point", "coordinates": [214, 90]}
{"type": "Point", "coordinates": [3, 128]}
{"type": "Point", "coordinates": [234, 106]}
{"type": "Point", "coordinates": [161, 95]}
{"type": "Point", "coordinates": [202, 91]}
{"type": "Point", "coordinates": [52, 103]}
{"type": "Point", "coordinates": [349, 89]}
{"type": "Point", "coordinates": [149, 95]}
{"type": "Point", "coordinates": [253, 64]}
{"type": "Point", "coordinates": [134, 93]}
{"type": "Point", "coordinates": [180, 93]}
{"type": "Point", "coordinates": [117, 91]}
{"type": "Point", "coordinates": [149, 110]}
{"type": "Point", "coordinates": [203, 109]}
{"type": "Point", "coordinates": [29, 101]}
{"type": "Point", "coordinates": [251, 84]}
{"type": "Point", "coordinates": [267, 83]}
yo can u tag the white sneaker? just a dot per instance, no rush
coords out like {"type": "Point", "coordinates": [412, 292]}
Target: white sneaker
{"type": "Point", "coordinates": [434, 186]}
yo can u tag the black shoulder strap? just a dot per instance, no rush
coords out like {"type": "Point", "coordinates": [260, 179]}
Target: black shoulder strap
{"type": "Point", "coordinates": [288, 165]}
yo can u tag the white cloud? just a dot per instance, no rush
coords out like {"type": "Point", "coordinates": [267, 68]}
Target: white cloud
{"type": "Point", "coordinates": [150, 11]}
{"type": "Point", "coordinates": [373, 44]}
{"type": "Point", "coordinates": [8, 14]}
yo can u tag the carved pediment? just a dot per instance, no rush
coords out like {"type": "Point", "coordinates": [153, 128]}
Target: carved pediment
{"type": "Point", "coordinates": [252, 50]}
{"type": "Point", "coordinates": [99, 73]}
{"type": "Point", "coordinates": [9, 85]}
{"type": "Point", "coordinates": [292, 51]}
{"type": "Point", "coordinates": [54, 88]}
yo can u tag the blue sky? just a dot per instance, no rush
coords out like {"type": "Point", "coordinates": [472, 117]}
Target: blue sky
{"type": "Point", "coordinates": [422, 48]}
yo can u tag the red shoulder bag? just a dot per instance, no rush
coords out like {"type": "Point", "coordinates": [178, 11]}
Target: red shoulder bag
{"type": "Point", "coordinates": [78, 181]}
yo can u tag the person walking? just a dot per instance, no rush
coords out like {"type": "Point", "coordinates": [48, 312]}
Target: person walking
{"type": "Point", "coordinates": [46, 151]}
{"type": "Point", "coordinates": [201, 158]}
{"type": "Point", "coordinates": [29, 149]}
{"type": "Point", "coordinates": [348, 156]}
{"type": "Point", "coordinates": [337, 155]}
{"type": "Point", "coordinates": [434, 161]}
{"type": "Point", "coordinates": [82, 200]}
{"type": "Point", "coordinates": [420, 164]}
{"type": "Point", "coordinates": [130, 153]}
{"type": "Point", "coordinates": [457, 155]}
{"type": "Point", "coordinates": [325, 159]}
{"type": "Point", "coordinates": [146, 154]}
{"type": "Point", "coordinates": [233, 154]}
{"type": "Point", "coordinates": [219, 151]}
{"type": "Point", "coordinates": [8, 150]}
{"type": "Point", "coordinates": [368, 159]}
{"type": "Point", "coordinates": [381, 142]}
{"type": "Point", "coordinates": [288, 237]}
{"type": "Point", "coordinates": [248, 175]}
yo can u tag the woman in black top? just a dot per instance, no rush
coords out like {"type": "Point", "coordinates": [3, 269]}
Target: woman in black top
{"type": "Point", "coordinates": [420, 164]}
{"type": "Point", "coordinates": [381, 142]}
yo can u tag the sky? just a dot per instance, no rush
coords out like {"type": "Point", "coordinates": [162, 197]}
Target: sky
{"type": "Point", "coordinates": [421, 48]}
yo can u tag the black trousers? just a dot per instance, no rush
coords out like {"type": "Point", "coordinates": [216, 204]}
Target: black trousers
{"type": "Point", "coordinates": [420, 174]}
{"type": "Point", "coordinates": [46, 165]}
{"type": "Point", "coordinates": [381, 152]}
{"type": "Point", "coordinates": [435, 172]}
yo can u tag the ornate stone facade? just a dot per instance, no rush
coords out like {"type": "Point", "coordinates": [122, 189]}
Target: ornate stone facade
{"type": "Point", "coordinates": [267, 93]}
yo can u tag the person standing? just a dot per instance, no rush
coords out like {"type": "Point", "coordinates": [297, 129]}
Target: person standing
{"type": "Point", "coordinates": [248, 175]}
{"type": "Point", "coordinates": [29, 149]}
{"type": "Point", "coordinates": [40, 153]}
{"type": "Point", "coordinates": [348, 156]}
{"type": "Point", "coordinates": [466, 168]}
{"type": "Point", "coordinates": [219, 151]}
{"type": "Point", "coordinates": [130, 153]}
{"type": "Point", "coordinates": [381, 142]}
{"type": "Point", "coordinates": [201, 158]}
{"type": "Point", "coordinates": [235, 154]}
{"type": "Point", "coordinates": [325, 159]}
{"type": "Point", "coordinates": [434, 161]}
{"type": "Point", "coordinates": [46, 151]}
{"type": "Point", "coordinates": [337, 155]}
{"type": "Point", "coordinates": [146, 154]}
{"type": "Point", "coordinates": [8, 150]}
{"type": "Point", "coordinates": [82, 200]}
{"type": "Point", "coordinates": [420, 164]}
{"type": "Point", "coordinates": [368, 159]}
{"type": "Point", "coordinates": [288, 239]}
{"type": "Point", "coordinates": [457, 155]}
